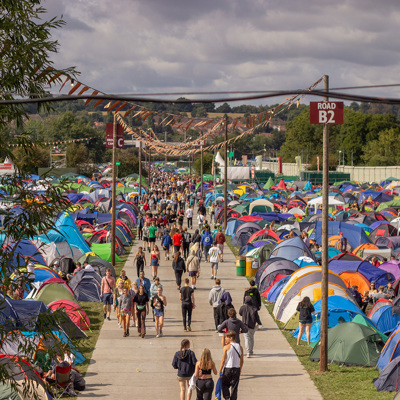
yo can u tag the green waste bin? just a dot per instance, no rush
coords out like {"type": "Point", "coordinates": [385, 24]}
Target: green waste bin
{"type": "Point", "coordinates": [240, 266]}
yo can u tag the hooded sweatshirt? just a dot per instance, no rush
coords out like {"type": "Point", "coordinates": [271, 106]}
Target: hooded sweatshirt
{"type": "Point", "coordinates": [185, 362]}
{"type": "Point", "coordinates": [193, 263]}
{"type": "Point", "coordinates": [254, 295]}
{"type": "Point", "coordinates": [233, 324]}
{"type": "Point", "coordinates": [249, 313]}
{"type": "Point", "coordinates": [215, 295]}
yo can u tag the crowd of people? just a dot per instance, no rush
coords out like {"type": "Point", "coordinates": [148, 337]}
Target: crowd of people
{"type": "Point", "coordinates": [164, 230]}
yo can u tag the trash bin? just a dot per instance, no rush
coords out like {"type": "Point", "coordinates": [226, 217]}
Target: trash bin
{"type": "Point", "coordinates": [240, 266]}
{"type": "Point", "coordinates": [251, 266]}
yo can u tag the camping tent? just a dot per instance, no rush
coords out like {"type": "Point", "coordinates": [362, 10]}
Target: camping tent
{"type": "Point", "coordinates": [390, 351]}
{"type": "Point", "coordinates": [291, 249]}
{"type": "Point", "coordinates": [351, 344]}
{"type": "Point", "coordinates": [86, 285]}
{"type": "Point", "coordinates": [74, 311]}
{"type": "Point", "coordinates": [54, 291]}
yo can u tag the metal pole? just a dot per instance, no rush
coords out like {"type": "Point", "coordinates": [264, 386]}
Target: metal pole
{"type": "Point", "coordinates": [323, 366]}
{"type": "Point", "coordinates": [190, 164]}
{"type": "Point", "coordinates": [226, 174]}
{"type": "Point", "coordinates": [201, 171]}
{"type": "Point", "coordinates": [113, 193]}
{"type": "Point", "coordinates": [140, 170]}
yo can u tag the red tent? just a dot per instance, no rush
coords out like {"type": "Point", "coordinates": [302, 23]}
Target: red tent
{"type": "Point", "coordinates": [265, 234]}
{"type": "Point", "coordinates": [74, 311]}
{"type": "Point", "coordinates": [282, 185]}
{"type": "Point", "coordinates": [248, 218]}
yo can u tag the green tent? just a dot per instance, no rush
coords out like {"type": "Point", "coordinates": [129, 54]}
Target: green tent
{"type": "Point", "coordinates": [395, 203]}
{"type": "Point", "coordinates": [103, 250]}
{"type": "Point", "coordinates": [125, 190]}
{"type": "Point", "coordinates": [361, 319]}
{"type": "Point", "coordinates": [242, 208]}
{"type": "Point", "coordinates": [351, 344]}
{"type": "Point", "coordinates": [263, 223]}
{"type": "Point", "coordinates": [265, 252]}
{"type": "Point", "coordinates": [78, 187]}
{"type": "Point", "coordinates": [270, 182]}
{"type": "Point", "coordinates": [54, 291]}
{"type": "Point", "coordinates": [293, 322]}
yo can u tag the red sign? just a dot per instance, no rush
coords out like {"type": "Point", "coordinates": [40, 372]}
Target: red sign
{"type": "Point", "coordinates": [326, 112]}
{"type": "Point", "coordinates": [6, 166]}
{"type": "Point", "coordinates": [252, 171]}
{"type": "Point", "coordinates": [110, 134]}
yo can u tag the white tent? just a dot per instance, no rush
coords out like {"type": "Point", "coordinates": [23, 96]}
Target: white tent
{"type": "Point", "coordinates": [332, 202]}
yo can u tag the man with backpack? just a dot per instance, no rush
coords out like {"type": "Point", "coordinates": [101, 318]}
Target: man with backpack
{"type": "Point", "coordinates": [187, 238]}
{"type": "Point", "coordinates": [255, 297]}
{"type": "Point", "coordinates": [166, 243]}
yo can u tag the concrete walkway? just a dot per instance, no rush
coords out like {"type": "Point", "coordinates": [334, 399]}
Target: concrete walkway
{"type": "Point", "coordinates": [131, 367]}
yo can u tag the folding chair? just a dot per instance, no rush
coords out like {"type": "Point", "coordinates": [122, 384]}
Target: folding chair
{"type": "Point", "coordinates": [63, 382]}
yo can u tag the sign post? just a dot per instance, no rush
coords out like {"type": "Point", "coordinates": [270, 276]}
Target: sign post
{"type": "Point", "coordinates": [326, 113]}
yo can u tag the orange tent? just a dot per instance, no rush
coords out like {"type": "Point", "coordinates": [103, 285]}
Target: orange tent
{"type": "Point", "coordinates": [355, 278]}
{"type": "Point", "coordinates": [358, 251]}
{"type": "Point", "coordinates": [333, 241]}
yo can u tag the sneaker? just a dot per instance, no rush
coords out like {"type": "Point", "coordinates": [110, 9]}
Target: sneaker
{"type": "Point", "coordinates": [143, 335]}
{"type": "Point", "coordinates": [215, 277]}
{"type": "Point", "coordinates": [158, 335]}
{"type": "Point", "coordinates": [260, 327]}
{"type": "Point", "coordinates": [139, 334]}
{"type": "Point", "coordinates": [119, 325]}
{"type": "Point", "coordinates": [248, 355]}
{"type": "Point", "coordinates": [109, 318]}
{"type": "Point", "coordinates": [185, 330]}
{"type": "Point", "coordinates": [124, 335]}
{"type": "Point", "coordinates": [212, 277]}
{"type": "Point", "coordinates": [105, 315]}
{"type": "Point", "coordinates": [189, 329]}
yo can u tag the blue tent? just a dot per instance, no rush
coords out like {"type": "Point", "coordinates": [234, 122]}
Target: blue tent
{"type": "Point", "coordinates": [390, 351]}
{"type": "Point", "coordinates": [379, 197]}
{"type": "Point", "coordinates": [232, 227]}
{"type": "Point", "coordinates": [338, 302]}
{"type": "Point", "coordinates": [276, 289]}
{"type": "Point", "coordinates": [22, 249]}
{"type": "Point", "coordinates": [86, 286]}
{"type": "Point", "coordinates": [384, 319]}
{"type": "Point", "coordinates": [66, 230]}
{"type": "Point", "coordinates": [354, 234]}
{"type": "Point", "coordinates": [28, 312]}
{"type": "Point", "coordinates": [372, 273]}
{"type": "Point", "coordinates": [308, 186]}
{"type": "Point", "coordinates": [8, 314]}
{"type": "Point", "coordinates": [291, 249]}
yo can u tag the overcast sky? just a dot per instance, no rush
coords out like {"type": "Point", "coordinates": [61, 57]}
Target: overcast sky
{"type": "Point", "coordinates": [130, 46]}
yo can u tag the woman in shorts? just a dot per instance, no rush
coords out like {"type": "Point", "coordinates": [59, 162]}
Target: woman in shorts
{"type": "Point", "coordinates": [154, 260]}
{"type": "Point", "coordinates": [185, 362]}
{"type": "Point", "coordinates": [305, 309]}
{"type": "Point", "coordinates": [125, 309]}
{"type": "Point", "coordinates": [193, 266]}
{"type": "Point", "coordinates": [159, 304]}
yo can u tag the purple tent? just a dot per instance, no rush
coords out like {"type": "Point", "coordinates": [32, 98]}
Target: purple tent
{"type": "Point", "coordinates": [392, 266]}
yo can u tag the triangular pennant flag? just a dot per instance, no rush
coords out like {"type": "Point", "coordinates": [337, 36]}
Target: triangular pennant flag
{"type": "Point", "coordinates": [75, 88]}
{"type": "Point", "coordinates": [95, 92]}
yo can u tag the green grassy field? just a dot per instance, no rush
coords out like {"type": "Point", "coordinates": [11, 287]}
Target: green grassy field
{"type": "Point", "coordinates": [340, 382]}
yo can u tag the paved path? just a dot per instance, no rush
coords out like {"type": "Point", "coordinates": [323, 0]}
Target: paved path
{"type": "Point", "coordinates": [133, 366]}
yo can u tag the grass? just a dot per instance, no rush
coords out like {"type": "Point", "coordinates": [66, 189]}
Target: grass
{"type": "Point", "coordinates": [340, 382]}
{"type": "Point", "coordinates": [95, 314]}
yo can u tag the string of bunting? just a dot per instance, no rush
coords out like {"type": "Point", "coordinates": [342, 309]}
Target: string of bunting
{"type": "Point", "coordinates": [252, 123]}
{"type": "Point", "coordinates": [54, 143]}
{"type": "Point", "coordinates": [184, 123]}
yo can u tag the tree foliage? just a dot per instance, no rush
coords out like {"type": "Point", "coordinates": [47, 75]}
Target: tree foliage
{"type": "Point", "coordinates": [207, 163]}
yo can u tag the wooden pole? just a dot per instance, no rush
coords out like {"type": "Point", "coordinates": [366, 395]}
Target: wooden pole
{"type": "Point", "coordinates": [226, 174]}
{"type": "Point", "coordinates": [140, 171]}
{"type": "Point", "coordinates": [149, 165]}
{"type": "Point", "coordinates": [323, 366]}
{"type": "Point", "coordinates": [113, 193]}
{"type": "Point", "coordinates": [201, 172]}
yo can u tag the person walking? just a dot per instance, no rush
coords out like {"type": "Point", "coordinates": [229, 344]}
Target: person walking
{"type": "Point", "coordinates": [213, 298]}
{"type": "Point", "coordinates": [118, 292]}
{"type": "Point", "coordinates": [200, 221]}
{"type": "Point", "coordinates": [153, 291]}
{"type": "Point", "coordinates": [193, 266]}
{"type": "Point", "coordinates": [305, 309]}
{"type": "Point", "coordinates": [224, 305]}
{"type": "Point", "coordinates": [232, 324]}
{"type": "Point", "coordinates": [206, 242]}
{"type": "Point", "coordinates": [185, 362]}
{"type": "Point", "coordinates": [250, 318]}
{"type": "Point", "coordinates": [127, 282]}
{"type": "Point", "coordinates": [159, 303]}
{"type": "Point", "coordinates": [133, 291]}
{"type": "Point", "coordinates": [142, 281]}
{"type": "Point", "coordinates": [106, 293]}
{"type": "Point", "coordinates": [186, 296]}
{"type": "Point", "coordinates": [177, 240]}
{"type": "Point", "coordinates": [125, 306]}
{"type": "Point", "coordinates": [189, 216]}
{"type": "Point", "coordinates": [154, 260]}
{"type": "Point", "coordinates": [142, 309]}
{"type": "Point", "coordinates": [220, 240]}
{"type": "Point", "coordinates": [145, 235]}
{"type": "Point", "coordinates": [166, 243]}
{"type": "Point", "coordinates": [152, 233]}
{"type": "Point", "coordinates": [140, 258]}
{"type": "Point", "coordinates": [254, 293]}
{"type": "Point", "coordinates": [231, 366]}
{"type": "Point", "coordinates": [203, 372]}
{"type": "Point", "coordinates": [140, 224]}
{"type": "Point", "coordinates": [213, 258]}
{"type": "Point", "coordinates": [178, 265]}
{"type": "Point", "coordinates": [187, 238]}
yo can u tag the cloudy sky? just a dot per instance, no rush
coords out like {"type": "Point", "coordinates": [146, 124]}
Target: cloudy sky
{"type": "Point", "coordinates": [151, 46]}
